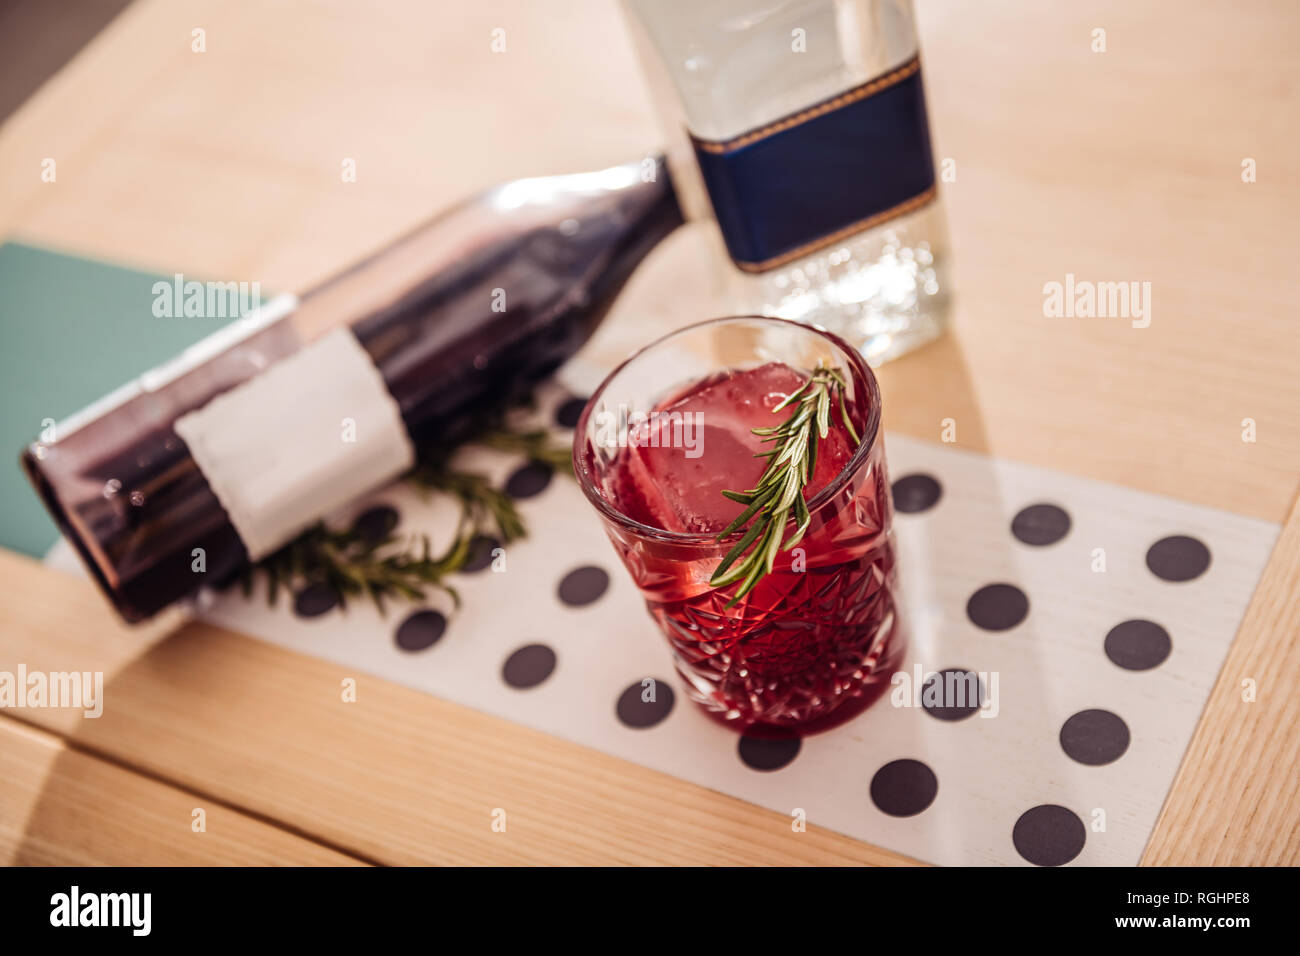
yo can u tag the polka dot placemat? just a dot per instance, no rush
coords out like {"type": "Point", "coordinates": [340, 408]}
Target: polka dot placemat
{"type": "Point", "coordinates": [1064, 637]}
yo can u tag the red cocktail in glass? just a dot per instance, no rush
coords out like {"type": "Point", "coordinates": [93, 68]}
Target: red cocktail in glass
{"type": "Point", "coordinates": [816, 639]}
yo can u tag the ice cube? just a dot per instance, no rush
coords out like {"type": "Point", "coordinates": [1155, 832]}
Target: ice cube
{"type": "Point", "coordinates": [701, 443]}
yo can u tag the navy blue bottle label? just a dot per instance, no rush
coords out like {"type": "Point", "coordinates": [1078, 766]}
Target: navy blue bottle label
{"type": "Point", "coordinates": [820, 175]}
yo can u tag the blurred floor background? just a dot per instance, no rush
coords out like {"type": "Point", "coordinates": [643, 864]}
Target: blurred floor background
{"type": "Point", "coordinates": [39, 36]}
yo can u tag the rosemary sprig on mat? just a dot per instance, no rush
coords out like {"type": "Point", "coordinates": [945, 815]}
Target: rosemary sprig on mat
{"type": "Point", "coordinates": [779, 492]}
{"type": "Point", "coordinates": [355, 564]}
{"type": "Point", "coordinates": [484, 508]}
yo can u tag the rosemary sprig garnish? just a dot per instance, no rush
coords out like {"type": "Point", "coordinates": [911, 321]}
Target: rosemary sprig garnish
{"type": "Point", "coordinates": [356, 565]}
{"type": "Point", "coordinates": [779, 492]}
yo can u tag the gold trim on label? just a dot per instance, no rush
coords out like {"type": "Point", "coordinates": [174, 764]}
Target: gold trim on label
{"type": "Point", "coordinates": [906, 206]}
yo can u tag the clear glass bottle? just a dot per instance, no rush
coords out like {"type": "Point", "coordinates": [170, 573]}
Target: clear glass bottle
{"type": "Point", "coordinates": [807, 143]}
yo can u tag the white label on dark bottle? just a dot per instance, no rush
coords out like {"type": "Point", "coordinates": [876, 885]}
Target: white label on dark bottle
{"type": "Point", "coordinates": [307, 436]}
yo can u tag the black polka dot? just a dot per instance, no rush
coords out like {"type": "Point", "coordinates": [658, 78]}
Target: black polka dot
{"type": "Point", "coordinates": [375, 524]}
{"type": "Point", "coordinates": [1040, 525]}
{"type": "Point", "coordinates": [903, 788]}
{"type": "Point", "coordinates": [762, 753]}
{"type": "Point", "coordinates": [635, 711]}
{"type": "Point", "coordinates": [917, 492]}
{"type": "Point", "coordinates": [528, 666]}
{"type": "Point", "coordinates": [569, 411]}
{"type": "Point", "coordinates": [952, 694]}
{"type": "Point", "coordinates": [529, 480]}
{"type": "Point", "coordinates": [1094, 737]}
{"type": "Point", "coordinates": [480, 557]}
{"type": "Point", "coordinates": [997, 607]}
{"type": "Point", "coordinates": [421, 630]}
{"type": "Point", "coordinates": [315, 599]}
{"type": "Point", "coordinates": [1049, 835]}
{"type": "Point", "coordinates": [1138, 645]}
{"type": "Point", "coordinates": [583, 585]}
{"type": "Point", "coordinates": [1178, 558]}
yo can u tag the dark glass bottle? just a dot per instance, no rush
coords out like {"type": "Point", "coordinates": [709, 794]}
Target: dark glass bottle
{"type": "Point", "coordinates": [467, 311]}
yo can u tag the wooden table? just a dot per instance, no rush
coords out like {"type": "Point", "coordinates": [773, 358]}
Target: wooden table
{"type": "Point", "coordinates": [1122, 165]}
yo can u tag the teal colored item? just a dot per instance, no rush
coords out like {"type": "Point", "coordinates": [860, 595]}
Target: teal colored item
{"type": "Point", "coordinates": [71, 330]}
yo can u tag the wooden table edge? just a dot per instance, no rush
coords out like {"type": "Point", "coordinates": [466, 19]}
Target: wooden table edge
{"type": "Point", "coordinates": [1236, 797]}
{"type": "Point", "coordinates": [115, 810]}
